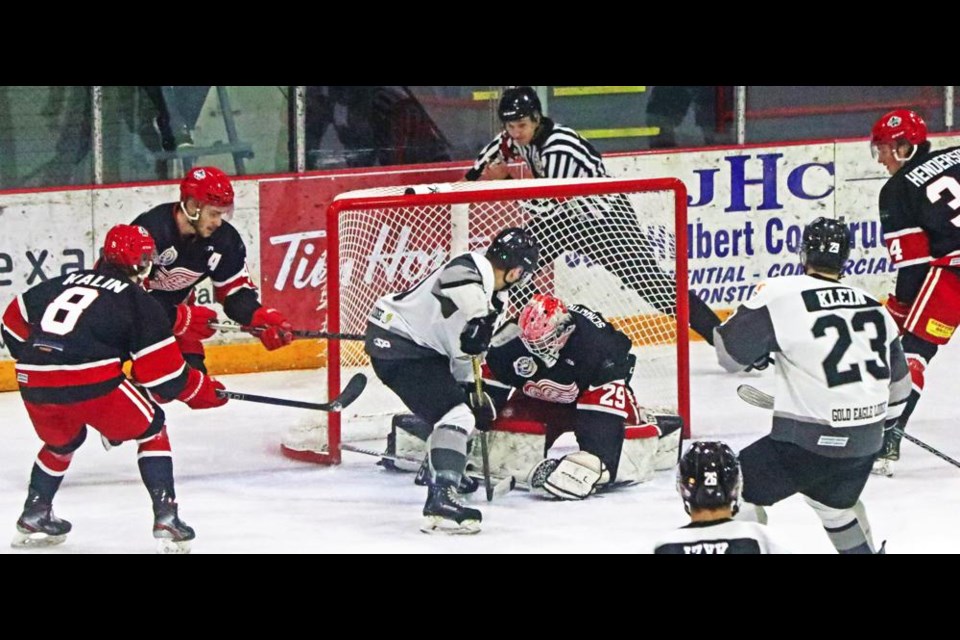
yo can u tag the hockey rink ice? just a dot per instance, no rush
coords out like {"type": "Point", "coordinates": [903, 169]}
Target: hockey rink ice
{"type": "Point", "coordinates": [242, 496]}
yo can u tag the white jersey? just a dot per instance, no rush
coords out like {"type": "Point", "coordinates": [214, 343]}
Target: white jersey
{"type": "Point", "coordinates": [433, 313]}
{"type": "Point", "coordinates": [839, 362]}
{"type": "Point", "coordinates": [719, 537]}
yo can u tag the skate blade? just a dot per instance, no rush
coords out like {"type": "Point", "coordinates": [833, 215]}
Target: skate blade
{"type": "Point", "coordinates": [166, 546]}
{"type": "Point", "coordinates": [35, 540]}
{"type": "Point", "coordinates": [436, 524]}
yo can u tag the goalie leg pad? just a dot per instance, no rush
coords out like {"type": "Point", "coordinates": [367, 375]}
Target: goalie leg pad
{"type": "Point", "coordinates": [578, 476]}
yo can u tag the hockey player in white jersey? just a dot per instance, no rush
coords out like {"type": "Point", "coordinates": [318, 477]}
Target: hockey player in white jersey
{"type": "Point", "coordinates": [420, 343]}
{"type": "Point", "coordinates": [709, 481]}
{"type": "Point", "coordinates": [841, 377]}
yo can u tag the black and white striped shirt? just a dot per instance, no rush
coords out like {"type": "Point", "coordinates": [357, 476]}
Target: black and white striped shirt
{"type": "Point", "coordinates": [555, 152]}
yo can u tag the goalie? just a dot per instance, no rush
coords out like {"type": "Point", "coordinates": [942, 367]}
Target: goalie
{"type": "Point", "coordinates": [572, 369]}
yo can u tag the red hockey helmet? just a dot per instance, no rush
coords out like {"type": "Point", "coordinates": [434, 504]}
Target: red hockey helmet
{"type": "Point", "coordinates": [207, 185]}
{"type": "Point", "coordinates": [130, 247]}
{"type": "Point", "coordinates": [545, 327]}
{"type": "Point", "coordinates": [899, 124]}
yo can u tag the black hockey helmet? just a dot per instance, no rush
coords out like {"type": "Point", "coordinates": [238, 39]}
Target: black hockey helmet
{"type": "Point", "coordinates": [708, 476]}
{"type": "Point", "coordinates": [825, 244]}
{"type": "Point", "coordinates": [514, 247]}
{"type": "Point", "coordinates": [518, 103]}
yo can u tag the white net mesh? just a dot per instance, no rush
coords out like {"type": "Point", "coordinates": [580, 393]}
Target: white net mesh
{"type": "Point", "coordinates": [613, 252]}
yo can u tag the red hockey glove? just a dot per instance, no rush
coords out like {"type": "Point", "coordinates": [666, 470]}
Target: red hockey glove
{"type": "Point", "coordinates": [277, 332]}
{"type": "Point", "coordinates": [898, 310]}
{"type": "Point", "coordinates": [201, 391]}
{"type": "Point", "coordinates": [192, 322]}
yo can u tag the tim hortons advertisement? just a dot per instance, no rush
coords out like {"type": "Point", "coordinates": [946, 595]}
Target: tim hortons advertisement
{"type": "Point", "coordinates": [293, 237]}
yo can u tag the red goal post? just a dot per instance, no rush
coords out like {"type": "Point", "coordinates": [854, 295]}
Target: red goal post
{"type": "Point", "coordinates": [620, 247]}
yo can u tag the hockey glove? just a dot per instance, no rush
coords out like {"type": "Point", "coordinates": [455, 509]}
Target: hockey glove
{"type": "Point", "coordinates": [277, 332]}
{"type": "Point", "coordinates": [898, 310]}
{"type": "Point", "coordinates": [200, 391]}
{"type": "Point", "coordinates": [483, 410]}
{"type": "Point", "coordinates": [193, 322]}
{"type": "Point", "coordinates": [762, 363]}
{"type": "Point", "coordinates": [475, 337]}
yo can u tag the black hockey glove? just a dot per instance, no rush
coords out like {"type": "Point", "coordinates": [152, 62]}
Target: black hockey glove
{"type": "Point", "coordinates": [483, 410]}
{"type": "Point", "coordinates": [762, 363]}
{"type": "Point", "coordinates": [475, 337]}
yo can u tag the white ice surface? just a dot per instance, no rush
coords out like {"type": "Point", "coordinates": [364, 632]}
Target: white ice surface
{"type": "Point", "coordinates": [242, 496]}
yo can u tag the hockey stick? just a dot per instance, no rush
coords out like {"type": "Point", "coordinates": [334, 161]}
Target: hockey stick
{"type": "Point", "coordinates": [752, 395]}
{"type": "Point", "coordinates": [503, 486]}
{"type": "Point", "coordinates": [351, 392]}
{"type": "Point", "coordinates": [297, 333]}
{"type": "Point", "coordinates": [484, 453]}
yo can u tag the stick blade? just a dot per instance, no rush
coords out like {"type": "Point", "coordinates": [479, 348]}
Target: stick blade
{"type": "Point", "coordinates": [752, 395]}
{"type": "Point", "coordinates": [351, 392]}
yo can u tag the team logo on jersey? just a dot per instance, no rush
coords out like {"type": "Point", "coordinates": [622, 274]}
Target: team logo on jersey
{"type": "Point", "coordinates": [550, 391]}
{"type": "Point", "coordinates": [525, 366]}
{"type": "Point", "coordinates": [168, 257]}
{"type": "Point", "coordinates": [174, 280]}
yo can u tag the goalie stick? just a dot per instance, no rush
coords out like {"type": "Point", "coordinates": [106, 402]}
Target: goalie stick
{"type": "Point", "coordinates": [503, 486]}
{"type": "Point", "coordinates": [297, 333]}
{"type": "Point", "coordinates": [351, 392]}
{"type": "Point", "coordinates": [752, 395]}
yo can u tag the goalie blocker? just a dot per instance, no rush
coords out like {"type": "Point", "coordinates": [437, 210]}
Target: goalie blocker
{"type": "Point", "coordinates": [518, 445]}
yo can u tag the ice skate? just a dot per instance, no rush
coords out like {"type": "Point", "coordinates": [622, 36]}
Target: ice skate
{"type": "Point", "coordinates": [38, 527]}
{"type": "Point", "coordinates": [444, 513]}
{"type": "Point", "coordinates": [173, 534]}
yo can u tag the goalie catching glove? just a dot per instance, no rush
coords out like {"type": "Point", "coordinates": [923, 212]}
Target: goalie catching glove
{"type": "Point", "coordinates": [275, 331]}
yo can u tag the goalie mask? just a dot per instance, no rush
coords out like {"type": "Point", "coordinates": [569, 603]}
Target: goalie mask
{"type": "Point", "coordinates": [708, 477]}
{"type": "Point", "coordinates": [545, 327]}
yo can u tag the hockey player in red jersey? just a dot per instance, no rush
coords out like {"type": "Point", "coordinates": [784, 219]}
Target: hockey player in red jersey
{"type": "Point", "coordinates": [195, 240]}
{"type": "Point", "coordinates": [70, 337]}
{"type": "Point", "coordinates": [920, 220]}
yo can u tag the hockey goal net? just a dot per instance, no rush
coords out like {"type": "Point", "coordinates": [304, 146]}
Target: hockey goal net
{"type": "Point", "coordinates": [615, 246]}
